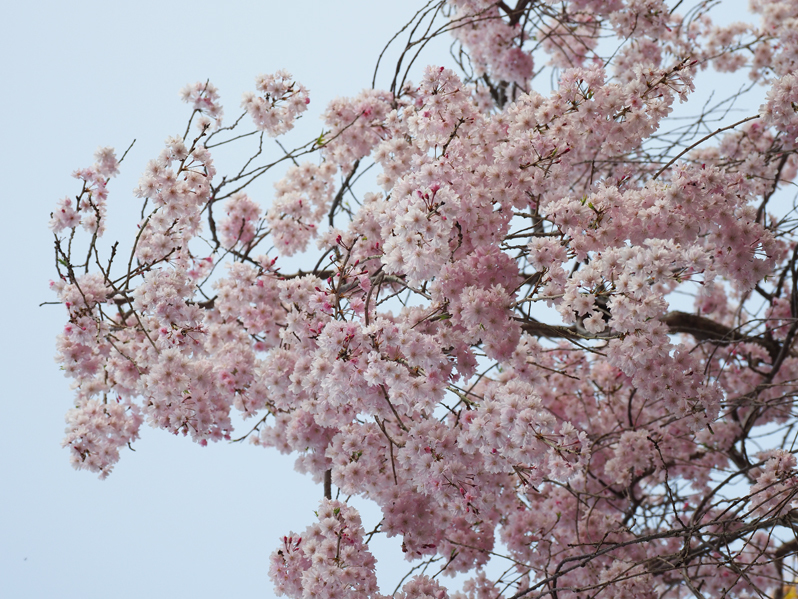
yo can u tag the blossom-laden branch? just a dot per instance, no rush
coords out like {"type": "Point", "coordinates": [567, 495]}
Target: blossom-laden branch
{"type": "Point", "coordinates": [558, 331]}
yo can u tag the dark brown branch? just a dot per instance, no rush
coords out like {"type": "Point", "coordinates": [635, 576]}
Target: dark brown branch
{"type": "Point", "coordinates": [700, 327]}
{"type": "Point", "coordinates": [516, 13]}
{"type": "Point", "coordinates": [705, 329]}
{"type": "Point", "coordinates": [340, 195]}
{"type": "Point", "coordinates": [328, 484]}
{"type": "Point", "coordinates": [786, 549]}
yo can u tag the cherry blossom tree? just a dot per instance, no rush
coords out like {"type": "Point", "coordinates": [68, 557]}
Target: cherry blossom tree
{"type": "Point", "coordinates": [540, 321]}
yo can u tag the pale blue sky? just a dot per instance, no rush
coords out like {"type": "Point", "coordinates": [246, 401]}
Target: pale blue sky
{"type": "Point", "coordinates": [174, 519]}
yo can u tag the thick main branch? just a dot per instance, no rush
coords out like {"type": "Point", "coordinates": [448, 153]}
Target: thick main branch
{"type": "Point", "coordinates": [700, 327]}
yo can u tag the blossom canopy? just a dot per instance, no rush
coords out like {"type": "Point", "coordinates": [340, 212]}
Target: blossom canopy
{"type": "Point", "coordinates": [550, 328]}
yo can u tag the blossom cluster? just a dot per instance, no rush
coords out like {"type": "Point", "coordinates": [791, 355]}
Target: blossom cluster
{"type": "Point", "coordinates": [242, 221]}
{"type": "Point", "coordinates": [89, 208]}
{"type": "Point", "coordinates": [204, 98]}
{"type": "Point", "coordinates": [281, 102]}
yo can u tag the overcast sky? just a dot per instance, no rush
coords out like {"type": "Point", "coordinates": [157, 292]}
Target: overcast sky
{"type": "Point", "coordinates": [174, 519]}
